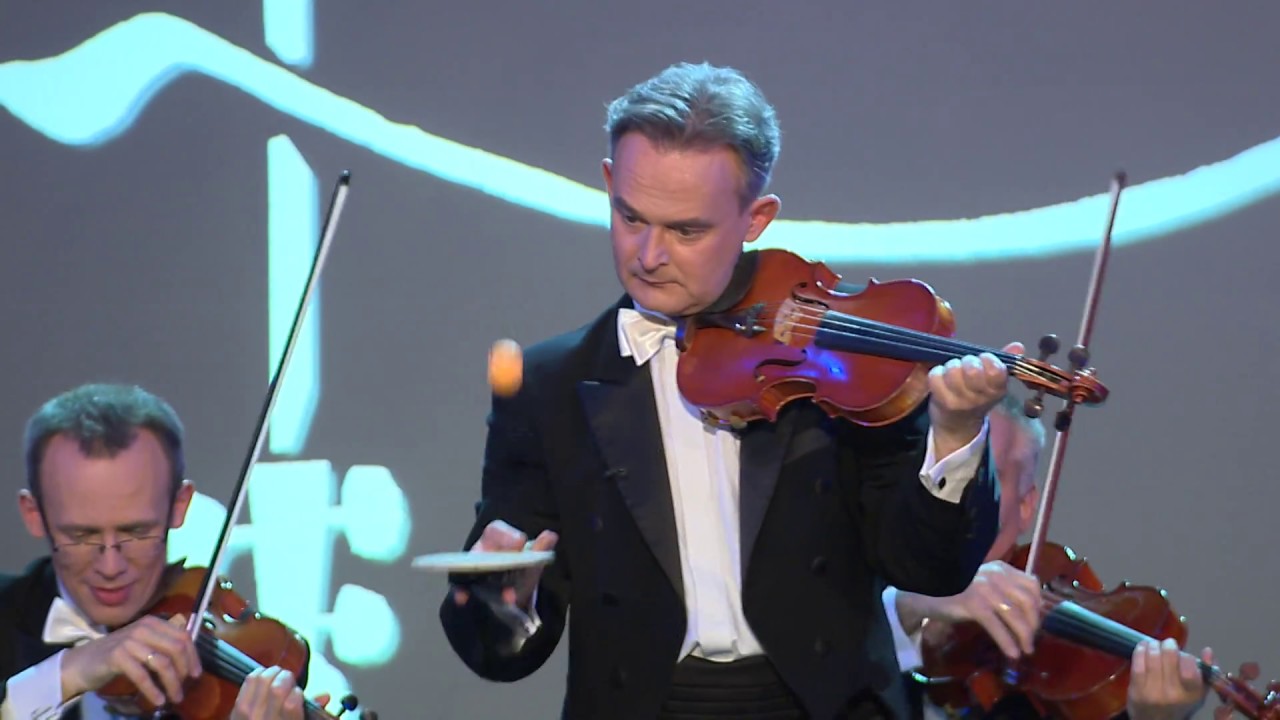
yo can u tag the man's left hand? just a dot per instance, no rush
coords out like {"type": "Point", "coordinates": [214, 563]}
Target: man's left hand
{"type": "Point", "coordinates": [1164, 682]}
{"type": "Point", "coordinates": [271, 694]}
{"type": "Point", "coordinates": [961, 393]}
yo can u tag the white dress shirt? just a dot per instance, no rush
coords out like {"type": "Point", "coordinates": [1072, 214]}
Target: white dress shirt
{"type": "Point", "coordinates": [36, 693]}
{"type": "Point", "coordinates": [702, 464]}
{"type": "Point", "coordinates": [907, 647]}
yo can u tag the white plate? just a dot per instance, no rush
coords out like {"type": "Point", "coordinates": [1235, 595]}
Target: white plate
{"type": "Point", "coordinates": [482, 562]}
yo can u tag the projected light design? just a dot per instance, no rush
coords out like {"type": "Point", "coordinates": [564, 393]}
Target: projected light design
{"type": "Point", "coordinates": [297, 507]}
{"type": "Point", "coordinates": [94, 91]}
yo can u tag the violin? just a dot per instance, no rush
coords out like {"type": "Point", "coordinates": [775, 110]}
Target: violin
{"type": "Point", "coordinates": [1081, 663]}
{"type": "Point", "coordinates": [235, 640]}
{"type": "Point", "coordinates": [794, 334]}
{"type": "Point", "coordinates": [231, 637]}
{"type": "Point", "coordinates": [1080, 667]}
{"type": "Point", "coordinates": [1063, 678]}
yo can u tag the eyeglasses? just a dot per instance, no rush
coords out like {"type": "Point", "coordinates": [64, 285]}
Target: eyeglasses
{"type": "Point", "coordinates": [131, 549]}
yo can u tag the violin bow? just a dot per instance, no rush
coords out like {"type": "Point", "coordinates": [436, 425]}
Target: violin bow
{"type": "Point", "coordinates": [336, 203]}
{"type": "Point", "coordinates": [1078, 357]}
{"type": "Point", "coordinates": [1233, 690]}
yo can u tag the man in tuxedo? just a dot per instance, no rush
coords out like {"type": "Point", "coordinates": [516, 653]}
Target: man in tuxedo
{"type": "Point", "coordinates": [711, 572]}
{"type": "Point", "coordinates": [1006, 601]}
{"type": "Point", "coordinates": [105, 483]}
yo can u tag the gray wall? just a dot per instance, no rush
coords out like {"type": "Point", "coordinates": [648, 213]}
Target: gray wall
{"type": "Point", "coordinates": [141, 256]}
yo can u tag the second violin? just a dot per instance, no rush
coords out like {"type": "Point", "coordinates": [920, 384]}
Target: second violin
{"type": "Point", "coordinates": [236, 639]}
{"type": "Point", "coordinates": [1080, 667]}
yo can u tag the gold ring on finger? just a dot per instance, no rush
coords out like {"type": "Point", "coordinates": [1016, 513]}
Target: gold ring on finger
{"type": "Point", "coordinates": [1004, 607]}
{"type": "Point", "coordinates": [147, 662]}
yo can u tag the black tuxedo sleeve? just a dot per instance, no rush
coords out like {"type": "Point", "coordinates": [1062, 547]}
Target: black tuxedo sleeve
{"type": "Point", "coordinates": [514, 488]}
{"type": "Point", "coordinates": [916, 541]}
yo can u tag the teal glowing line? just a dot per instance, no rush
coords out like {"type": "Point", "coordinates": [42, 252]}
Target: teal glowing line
{"type": "Point", "coordinates": [91, 93]}
{"type": "Point", "coordinates": [293, 229]}
{"type": "Point", "coordinates": [288, 27]}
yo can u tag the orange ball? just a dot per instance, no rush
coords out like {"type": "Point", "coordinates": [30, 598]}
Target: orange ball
{"type": "Point", "coordinates": [506, 367]}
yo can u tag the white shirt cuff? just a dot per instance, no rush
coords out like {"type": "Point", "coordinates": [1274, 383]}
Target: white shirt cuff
{"type": "Point", "coordinates": [36, 693]}
{"type": "Point", "coordinates": [948, 478]}
{"type": "Point", "coordinates": [906, 646]}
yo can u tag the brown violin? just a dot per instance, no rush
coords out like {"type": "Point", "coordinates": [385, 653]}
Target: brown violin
{"type": "Point", "coordinates": [863, 355]}
{"type": "Point", "coordinates": [235, 640]}
{"type": "Point", "coordinates": [1080, 667]}
{"type": "Point", "coordinates": [1081, 663]}
{"type": "Point", "coordinates": [1063, 678]}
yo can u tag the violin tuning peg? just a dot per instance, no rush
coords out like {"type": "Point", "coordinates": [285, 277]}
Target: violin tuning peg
{"type": "Point", "coordinates": [1079, 356]}
{"type": "Point", "coordinates": [1062, 421]}
{"type": "Point", "coordinates": [1033, 406]}
{"type": "Point", "coordinates": [1048, 346]}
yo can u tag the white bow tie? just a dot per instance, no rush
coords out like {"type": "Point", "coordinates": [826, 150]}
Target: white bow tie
{"type": "Point", "coordinates": [644, 333]}
{"type": "Point", "coordinates": [65, 626]}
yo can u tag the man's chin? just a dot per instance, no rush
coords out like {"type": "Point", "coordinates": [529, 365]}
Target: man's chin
{"type": "Point", "coordinates": [112, 609]}
{"type": "Point", "coordinates": [667, 299]}
{"type": "Point", "coordinates": [114, 617]}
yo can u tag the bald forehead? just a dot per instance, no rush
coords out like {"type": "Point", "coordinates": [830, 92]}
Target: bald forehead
{"type": "Point", "coordinates": [94, 488]}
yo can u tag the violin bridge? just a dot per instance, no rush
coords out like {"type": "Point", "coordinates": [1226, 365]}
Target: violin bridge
{"type": "Point", "coordinates": [784, 321]}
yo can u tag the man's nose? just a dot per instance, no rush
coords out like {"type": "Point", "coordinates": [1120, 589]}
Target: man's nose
{"type": "Point", "coordinates": [653, 249]}
{"type": "Point", "coordinates": [110, 561]}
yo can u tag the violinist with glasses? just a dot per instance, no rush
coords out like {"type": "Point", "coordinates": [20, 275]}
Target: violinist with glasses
{"type": "Point", "coordinates": [105, 484]}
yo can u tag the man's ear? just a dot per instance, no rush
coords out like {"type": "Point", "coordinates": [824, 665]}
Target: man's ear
{"type": "Point", "coordinates": [181, 502]}
{"type": "Point", "coordinates": [762, 212]}
{"type": "Point", "coordinates": [29, 509]}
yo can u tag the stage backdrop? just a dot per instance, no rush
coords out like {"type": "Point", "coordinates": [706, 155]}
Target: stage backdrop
{"type": "Point", "coordinates": [164, 167]}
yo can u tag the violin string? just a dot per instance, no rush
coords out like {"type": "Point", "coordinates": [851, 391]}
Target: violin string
{"type": "Point", "coordinates": [898, 350]}
{"type": "Point", "coordinates": [845, 320]}
{"type": "Point", "coordinates": [1102, 633]}
{"type": "Point", "coordinates": [229, 663]}
{"type": "Point", "coordinates": [943, 346]}
{"type": "Point", "coordinates": [883, 337]}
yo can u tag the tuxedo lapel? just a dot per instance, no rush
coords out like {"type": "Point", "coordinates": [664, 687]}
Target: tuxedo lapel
{"type": "Point", "coordinates": [29, 617]}
{"type": "Point", "coordinates": [620, 409]}
{"type": "Point", "coordinates": [32, 611]}
{"type": "Point", "coordinates": [764, 446]}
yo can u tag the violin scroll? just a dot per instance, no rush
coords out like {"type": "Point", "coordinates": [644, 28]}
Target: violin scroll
{"type": "Point", "coordinates": [1239, 696]}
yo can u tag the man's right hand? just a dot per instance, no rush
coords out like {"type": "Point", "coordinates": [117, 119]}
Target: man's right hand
{"type": "Point", "coordinates": [1004, 600]}
{"type": "Point", "coordinates": [144, 651]}
{"type": "Point", "coordinates": [498, 536]}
